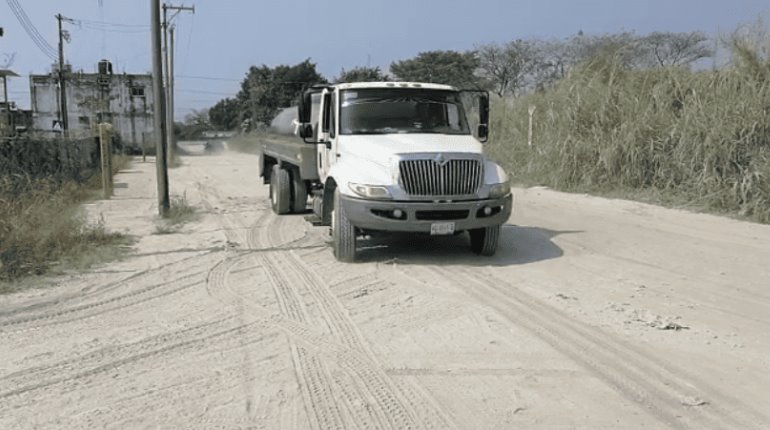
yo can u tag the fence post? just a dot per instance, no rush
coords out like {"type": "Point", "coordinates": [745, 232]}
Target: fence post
{"type": "Point", "coordinates": [104, 146]}
{"type": "Point", "coordinates": [529, 134]}
{"type": "Point", "coordinates": [144, 140]}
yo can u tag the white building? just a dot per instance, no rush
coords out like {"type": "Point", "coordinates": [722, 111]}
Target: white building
{"type": "Point", "coordinates": [124, 100]}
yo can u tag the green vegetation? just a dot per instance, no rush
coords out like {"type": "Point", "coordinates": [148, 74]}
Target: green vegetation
{"type": "Point", "coordinates": [362, 74]}
{"type": "Point", "coordinates": [41, 226]}
{"type": "Point", "coordinates": [444, 67]}
{"type": "Point", "coordinates": [695, 139]}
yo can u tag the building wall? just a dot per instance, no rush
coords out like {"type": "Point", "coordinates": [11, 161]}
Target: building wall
{"type": "Point", "coordinates": [124, 100]}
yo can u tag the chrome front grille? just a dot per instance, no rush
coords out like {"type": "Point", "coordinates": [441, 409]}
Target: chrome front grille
{"type": "Point", "coordinates": [427, 177]}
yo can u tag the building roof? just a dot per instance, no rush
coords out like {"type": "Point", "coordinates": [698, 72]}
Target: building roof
{"type": "Point", "coordinates": [8, 73]}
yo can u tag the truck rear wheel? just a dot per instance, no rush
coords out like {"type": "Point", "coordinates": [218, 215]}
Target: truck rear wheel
{"type": "Point", "coordinates": [280, 192]}
{"type": "Point", "coordinates": [343, 232]}
{"type": "Point", "coordinates": [484, 240]}
{"type": "Point", "coordinates": [298, 192]}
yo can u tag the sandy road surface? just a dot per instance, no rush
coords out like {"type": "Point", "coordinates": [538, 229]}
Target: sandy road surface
{"type": "Point", "coordinates": [594, 314]}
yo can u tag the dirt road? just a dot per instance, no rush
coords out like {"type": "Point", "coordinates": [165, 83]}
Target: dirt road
{"type": "Point", "coordinates": [594, 314]}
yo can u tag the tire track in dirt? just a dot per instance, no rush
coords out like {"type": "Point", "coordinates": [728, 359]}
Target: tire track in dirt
{"type": "Point", "coordinates": [401, 402]}
{"type": "Point", "coordinates": [89, 310]}
{"type": "Point", "coordinates": [311, 374]}
{"type": "Point", "coordinates": [668, 394]}
{"type": "Point", "coordinates": [388, 407]}
{"type": "Point", "coordinates": [113, 357]}
{"type": "Point", "coordinates": [318, 344]}
{"type": "Point", "coordinates": [95, 291]}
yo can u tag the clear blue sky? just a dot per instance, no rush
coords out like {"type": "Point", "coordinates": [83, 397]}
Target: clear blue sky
{"type": "Point", "coordinates": [225, 37]}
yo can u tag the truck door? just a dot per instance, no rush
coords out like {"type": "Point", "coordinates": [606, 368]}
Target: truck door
{"type": "Point", "coordinates": [327, 154]}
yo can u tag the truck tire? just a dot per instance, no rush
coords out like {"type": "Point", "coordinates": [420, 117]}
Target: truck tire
{"type": "Point", "coordinates": [280, 192]}
{"type": "Point", "coordinates": [484, 240]}
{"type": "Point", "coordinates": [298, 193]}
{"type": "Point", "coordinates": [343, 233]}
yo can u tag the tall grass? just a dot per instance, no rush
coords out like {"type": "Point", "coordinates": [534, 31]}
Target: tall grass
{"type": "Point", "coordinates": [41, 224]}
{"type": "Point", "coordinates": [699, 139]}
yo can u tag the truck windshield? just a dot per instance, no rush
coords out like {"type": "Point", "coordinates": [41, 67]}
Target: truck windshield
{"type": "Point", "coordinates": [401, 110]}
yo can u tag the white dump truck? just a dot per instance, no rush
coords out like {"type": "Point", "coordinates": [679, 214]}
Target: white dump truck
{"type": "Point", "coordinates": [380, 157]}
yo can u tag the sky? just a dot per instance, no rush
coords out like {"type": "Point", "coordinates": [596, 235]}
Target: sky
{"type": "Point", "coordinates": [217, 44]}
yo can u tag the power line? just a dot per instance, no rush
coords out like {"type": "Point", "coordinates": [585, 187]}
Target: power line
{"type": "Point", "coordinates": [189, 41]}
{"type": "Point", "coordinates": [24, 20]}
{"type": "Point", "coordinates": [216, 93]}
{"type": "Point", "coordinates": [209, 78]}
{"type": "Point", "coordinates": [31, 30]}
{"type": "Point", "coordinates": [113, 30]}
{"type": "Point", "coordinates": [111, 24]}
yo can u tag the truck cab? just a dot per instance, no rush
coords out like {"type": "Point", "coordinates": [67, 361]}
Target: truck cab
{"type": "Point", "coordinates": [396, 157]}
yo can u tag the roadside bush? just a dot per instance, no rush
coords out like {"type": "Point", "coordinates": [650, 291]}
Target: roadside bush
{"type": "Point", "coordinates": [699, 139]}
{"type": "Point", "coordinates": [41, 224]}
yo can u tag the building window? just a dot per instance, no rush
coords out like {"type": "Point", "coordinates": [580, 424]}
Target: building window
{"type": "Point", "coordinates": [84, 121]}
{"type": "Point", "coordinates": [104, 117]}
{"type": "Point", "coordinates": [137, 91]}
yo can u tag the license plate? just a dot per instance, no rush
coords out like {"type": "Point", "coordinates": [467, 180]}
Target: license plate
{"type": "Point", "coordinates": [442, 228]}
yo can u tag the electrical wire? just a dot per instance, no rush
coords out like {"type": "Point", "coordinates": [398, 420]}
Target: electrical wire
{"type": "Point", "coordinates": [189, 42]}
{"type": "Point", "coordinates": [209, 78]}
{"type": "Point", "coordinates": [111, 24]}
{"type": "Point", "coordinates": [113, 30]}
{"type": "Point", "coordinates": [217, 93]}
{"type": "Point", "coordinates": [31, 30]}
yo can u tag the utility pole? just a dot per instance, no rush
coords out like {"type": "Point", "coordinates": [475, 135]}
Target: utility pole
{"type": "Point", "coordinates": [62, 87]}
{"type": "Point", "coordinates": [170, 90]}
{"type": "Point", "coordinates": [168, 56]}
{"type": "Point", "coordinates": [159, 111]}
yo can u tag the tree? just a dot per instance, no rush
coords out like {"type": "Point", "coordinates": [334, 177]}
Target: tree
{"type": "Point", "coordinates": [195, 123]}
{"type": "Point", "coordinates": [556, 58]}
{"type": "Point", "coordinates": [505, 67]}
{"type": "Point", "coordinates": [665, 49]}
{"type": "Point", "coordinates": [444, 67]}
{"type": "Point", "coordinates": [267, 89]}
{"type": "Point", "coordinates": [362, 74]}
{"type": "Point", "coordinates": [225, 115]}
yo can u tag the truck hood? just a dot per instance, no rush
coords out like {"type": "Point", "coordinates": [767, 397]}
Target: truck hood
{"type": "Point", "coordinates": [382, 148]}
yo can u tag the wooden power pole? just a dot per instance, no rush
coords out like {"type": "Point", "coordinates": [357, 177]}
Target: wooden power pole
{"type": "Point", "coordinates": [62, 79]}
{"type": "Point", "coordinates": [159, 110]}
{"type": "Point", "coordinates": [168, 57]}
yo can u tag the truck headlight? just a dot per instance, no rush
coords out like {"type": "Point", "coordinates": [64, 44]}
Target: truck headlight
{"type": "Point", "coordinates": [370, 191]}
{"type": "Point", "coordinates": [499, 190]}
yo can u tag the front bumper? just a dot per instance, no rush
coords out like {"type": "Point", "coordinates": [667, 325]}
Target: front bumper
{"type": "Point", "coordinates": [418, 216]}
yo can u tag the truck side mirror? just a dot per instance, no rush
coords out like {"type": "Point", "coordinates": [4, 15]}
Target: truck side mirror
{"type": "Point", "coordinates": [483, 131]}
{"type": "Point", "coordinates": [303, 110]}
{"type": "Point", "coordinates": [305, 130]}
{"type": "Point", "coordinates": [484, 109]}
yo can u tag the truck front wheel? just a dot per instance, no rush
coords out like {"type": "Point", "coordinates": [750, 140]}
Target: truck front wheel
{"type": "Point", "coordinates": [343, 232]}
{"type": "Point", "coordinates": [280, 190]}
{"type": "Point", "coordinates": [484, 240]}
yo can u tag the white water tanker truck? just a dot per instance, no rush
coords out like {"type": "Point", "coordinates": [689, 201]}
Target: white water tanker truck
{"type": "Point", "coordinates": [381, 157]}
